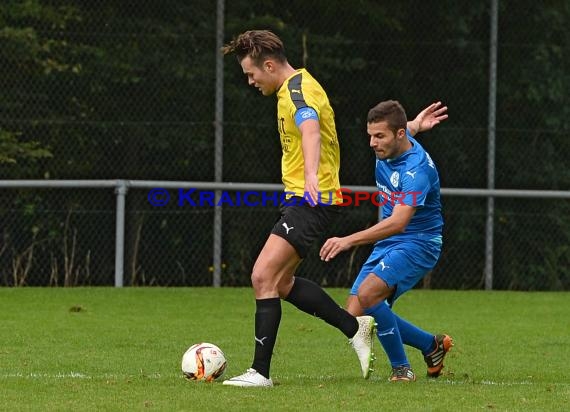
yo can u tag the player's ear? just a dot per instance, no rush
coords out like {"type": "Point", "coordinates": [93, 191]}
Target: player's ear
{"type": "Point", "coordinates": [401, 133]}
{"type": "Point", "coordinates": [269, 66]}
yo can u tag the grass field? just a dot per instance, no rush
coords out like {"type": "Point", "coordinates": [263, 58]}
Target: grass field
{"type": "Point", "coordinates": [109, 349]}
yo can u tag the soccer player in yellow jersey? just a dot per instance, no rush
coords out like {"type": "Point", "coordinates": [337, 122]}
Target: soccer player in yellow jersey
{"type": "Point", "coordinates": [303, 105]}
{"type": "Point", "coordinates": [310, 169]}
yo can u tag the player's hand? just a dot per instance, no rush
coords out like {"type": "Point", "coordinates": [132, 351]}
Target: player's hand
{"type": "Point", "coordinates": [312, 189]}
{"type": "Point", "coordinates": [333, 247]}
{"type": "Point", "coordinates": [431, 116]}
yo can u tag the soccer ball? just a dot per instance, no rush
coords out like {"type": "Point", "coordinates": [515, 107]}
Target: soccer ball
{"type": "Point", "coordinates": [203, 362]}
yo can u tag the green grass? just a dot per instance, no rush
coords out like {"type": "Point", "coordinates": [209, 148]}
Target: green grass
{"type": "Point", "coordinates": [109, 349]}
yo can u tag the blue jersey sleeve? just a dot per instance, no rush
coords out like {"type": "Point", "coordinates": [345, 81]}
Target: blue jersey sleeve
{"type": "Point", "coordinates": [305, 113]}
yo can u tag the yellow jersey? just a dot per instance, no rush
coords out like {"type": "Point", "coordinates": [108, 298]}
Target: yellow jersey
{"type": "Point", "coordinates": [299, 91]}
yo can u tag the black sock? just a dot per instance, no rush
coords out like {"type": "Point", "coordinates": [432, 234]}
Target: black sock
{"type": "Point", "coordinates": [312, 299]}
{"type": "Point", "coordinates": [267, 319]}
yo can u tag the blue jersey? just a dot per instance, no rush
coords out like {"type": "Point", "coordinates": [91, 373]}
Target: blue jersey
{"type": "Point", "coordinates": [411, 179]}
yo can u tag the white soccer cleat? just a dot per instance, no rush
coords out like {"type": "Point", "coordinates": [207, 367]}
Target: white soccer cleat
{"type": "Point", "coordinates": [251, 378]}
{"type": "Point", "coordinates": [362, 343]}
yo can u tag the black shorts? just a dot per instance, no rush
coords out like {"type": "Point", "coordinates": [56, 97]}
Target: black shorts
{"type": "Point", "coordinates": [301, 224]}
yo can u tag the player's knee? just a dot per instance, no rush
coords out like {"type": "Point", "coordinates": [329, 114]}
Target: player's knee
{"type": "Point", "coordinates": [367, 297]}
{"type": "Point", "coordinates": [263, 281]}
{"type": "Point", "coordinates": [258, 280]}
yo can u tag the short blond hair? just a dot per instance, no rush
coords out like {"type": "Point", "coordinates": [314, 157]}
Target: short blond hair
{"type": "Point", "coordinates": [258, 45]}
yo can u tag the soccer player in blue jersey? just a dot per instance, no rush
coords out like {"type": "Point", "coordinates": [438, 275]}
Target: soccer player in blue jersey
{"type": "Point", "coordinates": [407, 241]}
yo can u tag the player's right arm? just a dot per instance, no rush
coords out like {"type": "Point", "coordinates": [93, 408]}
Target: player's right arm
{"type": "Point", "coordinates": [394, 224]}
{"type": "Point", "coordinates": [311, 145]}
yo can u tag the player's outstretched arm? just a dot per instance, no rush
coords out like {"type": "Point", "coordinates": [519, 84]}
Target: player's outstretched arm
{"type": "Point", "coordinates": [396, 223]}
{"type": "Point", "coordinates": [428, 118]}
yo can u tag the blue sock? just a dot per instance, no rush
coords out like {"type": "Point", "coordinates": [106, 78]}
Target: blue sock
{"type": "Point", "coordinates": [414, 336]}
{"type": "Point", "coordinates": [389, 334]}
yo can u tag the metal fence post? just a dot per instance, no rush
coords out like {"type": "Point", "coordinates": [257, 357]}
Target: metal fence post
{"type": "Point", "coordinates": [219, 146]}
{"type": "Point", "coordinates": [121, 191]}
{"type": "Point", "coordinates": [491, 144]}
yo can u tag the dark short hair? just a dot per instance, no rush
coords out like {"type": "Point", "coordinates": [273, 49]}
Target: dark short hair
{"type": "Point", "coordinates": [258, 45]}
{"type": "Point", "coordinates": [390, 111]}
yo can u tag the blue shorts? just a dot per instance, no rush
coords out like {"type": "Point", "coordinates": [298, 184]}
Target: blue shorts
{"type": "Point", "coordinates": [401, 262]}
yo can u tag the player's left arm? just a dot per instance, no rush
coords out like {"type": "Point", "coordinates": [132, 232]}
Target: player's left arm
{"type": "Point", "coordinates": [428, 118]}
{"type": "Point", "coordinates": [311, 145]}
{"type": "Point", "coordinates": [394, 224]}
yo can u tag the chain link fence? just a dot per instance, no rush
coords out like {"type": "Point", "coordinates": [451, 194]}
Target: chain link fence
{"type": "Point", "coordinates": [118, 90]}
